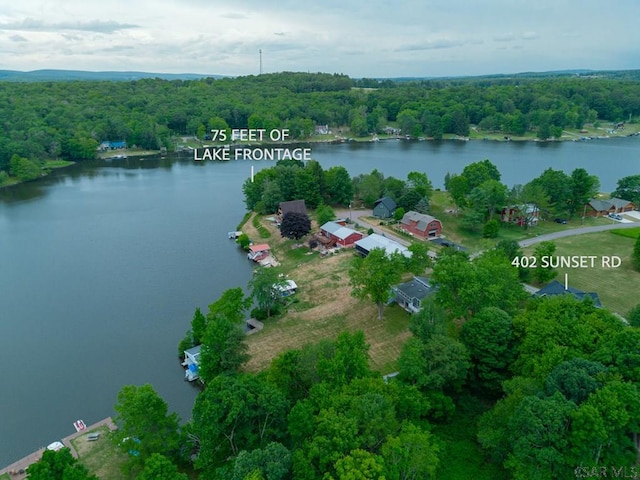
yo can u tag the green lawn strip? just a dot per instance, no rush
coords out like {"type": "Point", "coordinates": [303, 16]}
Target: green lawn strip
{"type": "Point", "coordinates": [616, 287]}
{"type": "Point", "coordinates": [627, 232]}
{"type": "Point", "coordinates": [460, 455]}
{"type": "Point", "coordinates": [103, 457]}
{"type": "Point", "coordinates": [5, 476]}
{"type": "Point", "coordinates": [245, 219]}
{"type": "Point", "coordinates": [57, 163]}
{"type": "Point", "coordinates": [262, 230]}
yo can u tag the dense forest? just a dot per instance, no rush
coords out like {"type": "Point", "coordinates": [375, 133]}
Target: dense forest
{"type": "Point", "coordinates": [68, 120]}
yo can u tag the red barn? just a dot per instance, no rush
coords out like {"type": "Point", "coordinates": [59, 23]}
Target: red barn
{"type": "Point", "coordinates": [343, 236]}
{"type": "Point", "coordinates": [421, 225]}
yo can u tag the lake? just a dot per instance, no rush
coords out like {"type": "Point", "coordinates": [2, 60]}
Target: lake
{"type": "Point", "coordinates": [102, 265]}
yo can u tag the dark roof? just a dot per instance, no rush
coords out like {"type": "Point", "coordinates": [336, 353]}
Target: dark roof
{"type": "Point", "coordinates": [557, 288]}
{"type": "Point", "coordinates": [417, 288]}
{"type": "Point", "coordinates": [606, 205]}
{"type": "Point", "coordinates": [297, 206]}
{"type": "Point", "coordinates": [388, 202]}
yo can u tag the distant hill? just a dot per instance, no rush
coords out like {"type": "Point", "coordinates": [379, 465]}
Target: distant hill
{"type": "Point", "coordinates": [67, 75]}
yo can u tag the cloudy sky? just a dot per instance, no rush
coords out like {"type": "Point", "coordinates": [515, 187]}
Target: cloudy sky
{"type": "Point", "coordinates": [361, 38]}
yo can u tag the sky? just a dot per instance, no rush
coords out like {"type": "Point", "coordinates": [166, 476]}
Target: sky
{"type": "Point", "coordinates": [360, 38]}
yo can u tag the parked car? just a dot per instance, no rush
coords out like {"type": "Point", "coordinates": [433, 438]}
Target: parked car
{"type": "Point", "coordinates": [560, 220]}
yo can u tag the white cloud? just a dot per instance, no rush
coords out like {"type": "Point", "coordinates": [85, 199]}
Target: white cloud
{"type": "Point", "coordinates": [360, 38]}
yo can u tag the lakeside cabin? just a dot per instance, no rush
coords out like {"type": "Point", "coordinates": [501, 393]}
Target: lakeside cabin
{"type": "Point", "coordinates": [191, 359]}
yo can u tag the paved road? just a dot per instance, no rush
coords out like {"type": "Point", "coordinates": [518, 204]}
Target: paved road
{"type": "Point", "coordinates": [575, 231]}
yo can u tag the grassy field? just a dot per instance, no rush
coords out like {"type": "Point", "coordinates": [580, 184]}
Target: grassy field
{"type": "Point", "coordinates": [616, 287]}
{"type": "Point", "coordinates": [324, 308]}
{"type": "Point", "coordinates": [5, 476]}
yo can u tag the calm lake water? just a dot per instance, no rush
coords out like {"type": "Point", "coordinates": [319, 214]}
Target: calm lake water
{"type": "Point", "coordinates": [102, 265]}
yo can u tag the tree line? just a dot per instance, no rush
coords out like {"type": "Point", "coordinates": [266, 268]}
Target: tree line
{"type": "Point", "coordinates": [68, 120]}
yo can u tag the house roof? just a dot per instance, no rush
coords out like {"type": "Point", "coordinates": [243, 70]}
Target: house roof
{"type": "Point", "coordinates": [286, 286]}
{"type": "Point", "coordinates": [557, 288]}
{"type": "Point", "coordinates": [417, 288]}
{"type": "Point", "coordinates": [297, 206]}
{"type": "Point", "coordinates": [378, 241]}
{"type": "Point", "coordinates": [259, 248]}
{"type": "Point", "coordinates": [422, 219]}
{"type": "Point", "coordinates": [606, 205]}
{"type": "Point", "coordinates": [194, 351]}
{"type": "Point", "coordinates": [388, 202]}
{"type": "Point", "coordinates": [338, 230]}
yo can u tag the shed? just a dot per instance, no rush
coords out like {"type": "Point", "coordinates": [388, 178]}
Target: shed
{"type": "Point", "coordinates": [365, 245]}
{"type": "Point", "coordinates": [341, 235]}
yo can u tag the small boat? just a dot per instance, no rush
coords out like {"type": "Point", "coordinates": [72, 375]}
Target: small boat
{"type": "Point", "coordinates": [79, 425]}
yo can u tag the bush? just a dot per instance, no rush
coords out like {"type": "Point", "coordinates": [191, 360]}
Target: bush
{"type": "Point", "coordinates": [370, 231]}
{"type": "Point", "coordinates": [244, 241]}
{"type": "Point", "coordinates": [491, 229]}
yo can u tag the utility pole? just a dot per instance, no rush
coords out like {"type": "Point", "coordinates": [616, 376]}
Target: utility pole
{"type": "Point", "coordinates": [260, 61]}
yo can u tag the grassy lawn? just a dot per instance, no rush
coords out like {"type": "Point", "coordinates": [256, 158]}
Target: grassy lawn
{"type": "Point", "coordinates": [101, 457]}
{"type": "Point", "coordinates": [5, 476]}
{"type": "Point", "coordinates": [616, 287]}
{"type": "Point", "coordinates": [57, 163]}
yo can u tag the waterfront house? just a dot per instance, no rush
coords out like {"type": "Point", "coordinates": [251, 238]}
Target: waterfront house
{"type": "Point", "coordinates": [340, 234]}
{"type": "Point", "coordinates": [384, 207]}
{"type": "Point", "coordinates": [421, 225]}
{"type": "Point", "coordinates": [286, 288]}
{"type": "Point", "coordinates": [409, 295]}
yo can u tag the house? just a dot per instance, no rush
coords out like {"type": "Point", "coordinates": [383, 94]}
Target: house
{"type": "Point", "coordinates": [340, 234]}
{"type": "Point", "coordinates": [297, 206]}
{"type": "Point", "coordinates": [108, 145]}
{"type": "Point", "coordinates": [527, 214]}
{"type": "Point", "coordinates": [602, 208]}
{"type": "Point", "coordinates": [421, 225]}
{"type": "Point", "coordinates": [409, 295]}
{"type": "Point", "coordinates": [191, 362]}
{"type": "Point", "coordinates": [384, 207]}
{"type": "Point", "coordinates": [258, 252]}
{"type": "Point", "coordinates": [366, 244]}
{"type": "Point", "coordinates": [557, 288]}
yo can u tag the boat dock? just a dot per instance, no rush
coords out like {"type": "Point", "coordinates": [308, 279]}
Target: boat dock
{"type": "Point", "coordinates": [17, 470]}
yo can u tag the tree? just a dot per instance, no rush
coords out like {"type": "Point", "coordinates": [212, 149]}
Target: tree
{"type": "Point", "coordinates": [360, 465]}
{"type": "Point", "coordinates": [273, 462]}
{"type": "Point", "coordinates": [24, 169]}
{"type": "Point", "coordinates": [628, 189]}
{"type": "Point", "coordinates": [477, 173]}
{"type": "Point", "coordinates": [409, 200]}
{"type": "Point", "coordinates": [633, 317]}
{"type": "Point", "coordinates": [223, 344]}
{"type": "Point", "coordinates": [398, 214]}
{"type": "Point", "coordinates": [142, 417]}
{"type": "Point", "coordinates": [324, 214]}
{"type": "Point", "coordinates": [159, 467]}
{"type": "Point", "coordinates": [583, 188]}
{"type": "Point", "coordinates": [419, 182]}
{"type": "Point", "coordinates": [575, 379]}
{"type": "Point", "coordinates": [234, 413]}
{"type": "Point", "coordinates": [488, 336]}
{"type": "Point", "coordinates": [339, 188]}
{"type": "Point", "coordinates": [198, 326]}
{"type": "Point", "coordinates": [372, 277]}
{"type": "Point", "coordinates": [543, 273]}
{"type": "Point", "coordinates": [394, 188]}
{"type": "Point", "coordinates": [635, 256]}
{"type": "Point", "coordinates": [264, 288]}
{"type": "Point", "coordinates": [539, 438]}
{"type": "Point", "coordinates": [295, 225]}
{"type": "Point", "coordinates": [419, 260]}
{"type": "Point", "coordinates": [412, 454]}
{"type": "Point", "coordinates": [58, 465]}
{"type": "Point", "coordinates": [557, 187]}
{"type": "Point", "coordinates": [491, 229]}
